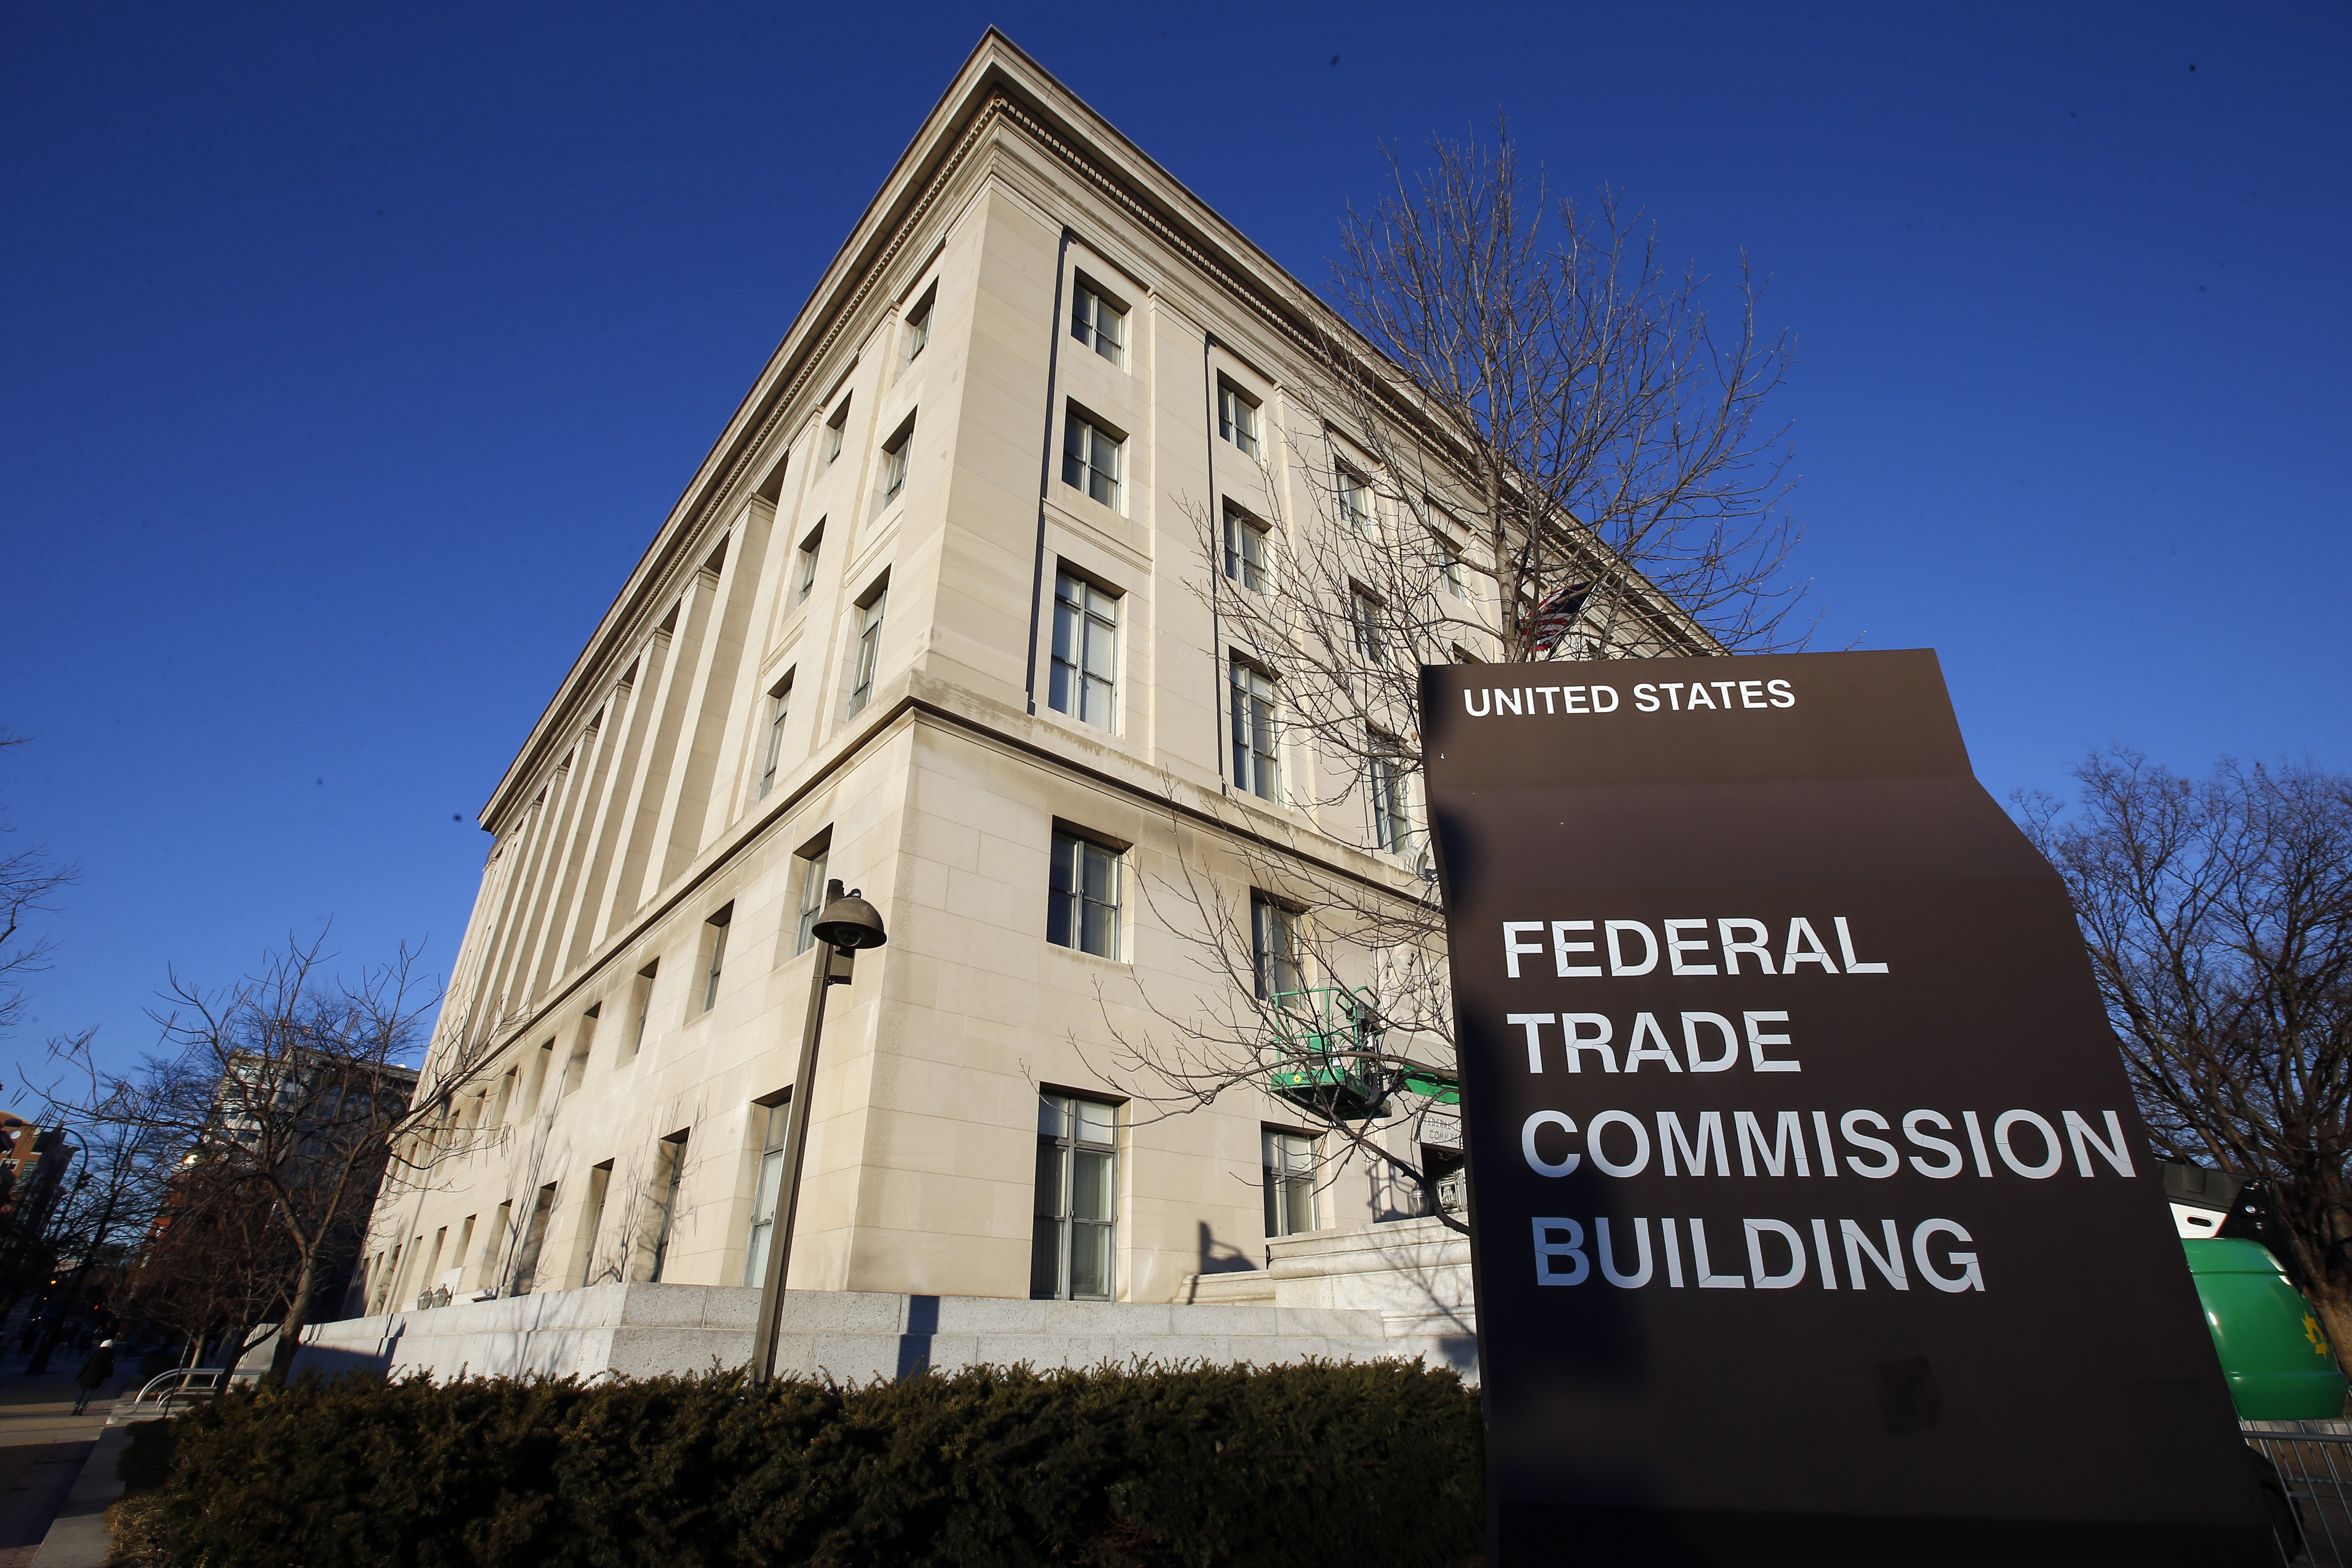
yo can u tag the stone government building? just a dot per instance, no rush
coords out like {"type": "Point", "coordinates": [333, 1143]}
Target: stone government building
{"type": "Point", "coordinates": [928, 619]}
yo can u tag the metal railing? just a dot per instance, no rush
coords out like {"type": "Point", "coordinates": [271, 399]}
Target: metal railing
{"type": "Point", "coordinates": [2308, 1485]}
{"type": "Point", "coordinates": [187, 1386]}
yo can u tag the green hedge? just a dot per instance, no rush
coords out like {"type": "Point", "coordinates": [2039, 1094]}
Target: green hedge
{"type": "Point", "coordinates": [1368, 1464]}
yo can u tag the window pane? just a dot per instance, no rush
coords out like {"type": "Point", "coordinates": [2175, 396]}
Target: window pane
{"type": "Point", "coordinates": [1060, 894]}
{"type": "Point", "coordinates": [1090, 1185]}
{"type": "Point", "coordinates": [1049, 1117]}
{"type": "Point", "coordinates": [1298, 1206]}
{"type": "Point", "coordinates": [1093, 1120]}
{"type": "Point", "coordinates": [1090, 1262]}
{"type": "Point", "coordinates": [1045, 1258]}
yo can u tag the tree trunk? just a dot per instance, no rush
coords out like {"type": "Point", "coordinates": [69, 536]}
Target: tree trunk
{"type": "Point", "coordinates": [291, 1327]}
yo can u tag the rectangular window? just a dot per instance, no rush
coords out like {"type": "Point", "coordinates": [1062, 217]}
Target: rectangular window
{"type": "Point", "coordinates": [1090, 459]}
{"type": "Point", "coordinates": [1085, 652]}
{"type": "Point", "coordinates": [1383, 766]}
{"type": "Point", "coordinates": [1236, 418]}
{"type": "Point", "coordinates": [1070, 1245]}
{"type": "Point", "coordinates": [809, 548]}
{"type": "Point", "coordinates": [870, 649]}
{"type": "Point", "coordinates": [1450, 565]}
{"type": "Point", "coordinates": [534, 1241]}
{"type": "Point", "coordinates": [600, 1181]}
{"type": "Point", "coordinates": [645, 1004]}
{"type": "Point", "coordinates": [1097, 323]}
{"type": "Point", "coordinates": [919, 324]}
{"type": "Point", "coordinates": [485, 1270]}
{"type": "Point", "coordinates": [1256, 766]}
{"type": "Point", "coordinates": [1274, 948]}
{"type": "Point", "coordinates": [1245, 552]}
{"type": "Point", "coordinates": [767, 1187]}
{"type": "Point", "coordinates": [669, 1172]}
{"type": "Point", "coordinates": [812, 897]}
{"type": "Point", "coordinates": [835, 429]}
{"type": "Point", "coordinates": [779, 708]}
{"type": "Point", "coordinates": [714, 941]}
{"type": "Point", "coordinates": [1370, 619]}
{"type": "Point", "coordinates": [893, 460]}
{"type": "Point", "coordinates": [575, 1069]}
{"type": "Point", "coordinates": [1290, 1182]}
{"type": "Point", "coordinates": [1083, 909]}
{"type": "Point", "coordinates": [1355, 500]}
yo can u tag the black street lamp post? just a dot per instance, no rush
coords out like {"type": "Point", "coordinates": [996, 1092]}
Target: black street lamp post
{"type": "Point", "coordinates": [846, 923]}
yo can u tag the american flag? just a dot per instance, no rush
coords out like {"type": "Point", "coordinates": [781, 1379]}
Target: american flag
{"type": "Point", "coordinates": [1555, 616]}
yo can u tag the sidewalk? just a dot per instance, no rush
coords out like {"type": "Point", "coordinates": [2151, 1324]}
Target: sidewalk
{"type": "Point", "coordinates": [43, 1448]}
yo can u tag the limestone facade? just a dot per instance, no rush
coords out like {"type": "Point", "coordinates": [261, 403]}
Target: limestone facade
{"type": "Point", "coordinates": [836, 659]}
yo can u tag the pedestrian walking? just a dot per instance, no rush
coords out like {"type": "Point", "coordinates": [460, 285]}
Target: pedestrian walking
{"type": "Point", "coordinates": [94, 1373]}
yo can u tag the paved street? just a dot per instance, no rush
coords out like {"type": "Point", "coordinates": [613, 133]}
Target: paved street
{"type": "Point", "coordinates": [42, 1446]}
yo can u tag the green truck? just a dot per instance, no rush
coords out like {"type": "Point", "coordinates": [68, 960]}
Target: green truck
{"type": "Point", "coordinates": [2273, 1348]}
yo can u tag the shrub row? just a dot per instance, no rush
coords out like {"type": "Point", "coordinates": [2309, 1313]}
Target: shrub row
{"type": "Point", "coordinates": [1371, 1463]}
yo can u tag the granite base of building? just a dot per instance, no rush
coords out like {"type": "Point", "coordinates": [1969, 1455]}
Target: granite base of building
{"type": "Point", "coordinates": [1383, 1291]}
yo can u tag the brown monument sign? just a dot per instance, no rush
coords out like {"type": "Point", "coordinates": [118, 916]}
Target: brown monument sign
{"type": "Point", "coordinates": [1813, 1219]}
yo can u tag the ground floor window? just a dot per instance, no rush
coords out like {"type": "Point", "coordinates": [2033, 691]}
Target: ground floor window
{"type": "Point", "coordinates": [1077, 1189]}
{"type": "Point", "coordinates": [1290, 1182]}
{"type": "Point", "coordinates": [770, 1119]}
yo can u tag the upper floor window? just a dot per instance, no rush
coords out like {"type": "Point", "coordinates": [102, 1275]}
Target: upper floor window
{"type": "Point", "coordinates": [1070, 1248]}
{"type": "Point", "coordinates": [1355, 500]}
{"type": "Point", "coordinates": [1083, 908]}
{"type": "Point", "coordinates": [1256, 768]}
{"type": "Point", "coordinates": [1275, 956]}
{"type": "Point", "coordinates": [813, 867]}
{"type": "Point", "coordinates": [1370, 619]}
{"type": "Point", "coordinates": [714, 943]}
{"type": "Point", "coordinates": [809, 548]}
{"type": "Point", "coordinates": [644, 999]}
{"type": "Point", "coordinates": [1237, 418]}
{"type": "Point", "coordinates": [1085, 652]}
{"type": "Point", "coordinates": [1290, 1182]}
{"type": "Point", "coordinates": [1245, 552]}
{"type": "Point", "coordinates": [1449, 566]}
{"type": "Point", "coordinates": [835, 429]}
{"type": "Point", "coordinates": [1090, 456]}
{"type": "Point", "coordinates": [870, 649]}
{"type": "Point", "coordinates": [893, 460]}
{"type": "Point", "coordinates": [1384, 767]}
{"type": "Point", "coordinates": [780, 709]}
{"type": "Point", "coordinates": [1097, 323]}
{"type": "Point", "coordinates": [919, 324]}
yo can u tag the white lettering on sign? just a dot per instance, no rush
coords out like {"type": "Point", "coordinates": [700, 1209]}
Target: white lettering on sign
{"type": "Point", "coordinates": [1867, 1148]}
{"type": "Point", "coordinates": [1634, 948]}
{"type": "Point", "coordinates": [1776, 1255]}
{"type": "Point", "coordinates": [1693, 695]}
{"type": "Point", "coordinates": [1558, 702]}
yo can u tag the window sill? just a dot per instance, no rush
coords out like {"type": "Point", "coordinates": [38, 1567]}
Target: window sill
{"type": "Point", "coordinates": [1093, 960]}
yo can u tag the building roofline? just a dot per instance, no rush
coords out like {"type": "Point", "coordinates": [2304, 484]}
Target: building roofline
{"type": "Point", "coordinates": [996, 68]}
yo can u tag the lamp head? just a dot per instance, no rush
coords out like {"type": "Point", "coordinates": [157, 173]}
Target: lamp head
{"type": "Point", "coordinates": [848, 921]}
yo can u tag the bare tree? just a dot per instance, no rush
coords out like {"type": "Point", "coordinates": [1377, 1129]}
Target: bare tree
{"type": "Point", "coordinates": [29, 878]}
{"type": "Point", "coordinates": [292, 1093]}
{"type": "Point", "coordinates": [1521, 439]}
{"type": "Point", "coordinates": [213, 1265]}
{"type": "Point", "coordinates": [104, 1206]}
{"type": "Point", "coordinates": [2218, 912]}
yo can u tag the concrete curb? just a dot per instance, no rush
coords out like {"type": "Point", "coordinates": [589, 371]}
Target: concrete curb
{"type": "Point", "coordinates": [78, 1537]}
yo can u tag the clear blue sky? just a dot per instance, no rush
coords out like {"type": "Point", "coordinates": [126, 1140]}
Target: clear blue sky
{"type": "Point", "coordinates": [351, 356]}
